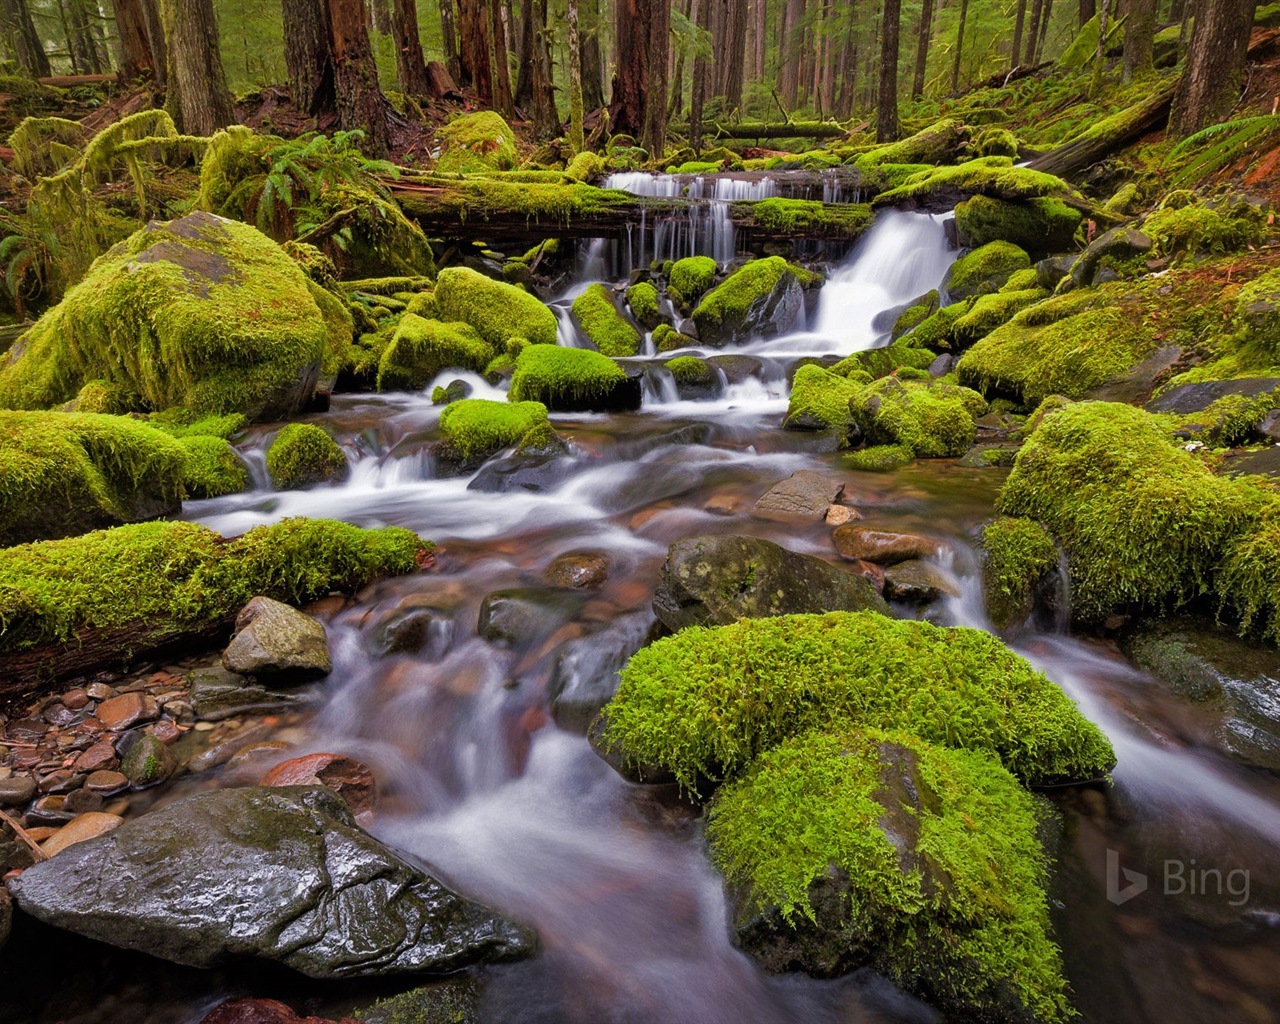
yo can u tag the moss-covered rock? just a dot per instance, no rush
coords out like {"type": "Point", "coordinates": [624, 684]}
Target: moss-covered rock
{"type": "Point", "coordinates": [877, 849]}
{"type": "Point", "coordinates": [991, 311]}
{"type": "Point", "coordinates": [598, 316]}
{"type": "Point", "coordinates": [476, 428]}
{"type": "Point", "coordinates": [690, 279]}
{"type": "Point", "coordinates": [642, 297]}
{"type": "Point", "coordinates": [879, 458]}
{"type": "Point", "coordinates": [301, 455]}
{"type": "Point", "coordinates": [1039, 226]}
{"type": "Point", "coordinates": [694, 377]}
{"type": "Point", "coordinates": [984, 270]}
{"type": "Point", "coordinates": [940, 143]}
{"type": "Point", "coordinates": [498, 311]}
{"type": "Point", "coordinates": [477, 142]}
{"type": "Point", "coordinates": [762, 299]}
{"type": "Point", "coordinates": [1199, 229]}
{"type": "Point", "coordinates": [200, 312]}
{"type": "Point", "coordinates": [212, 468]}
{"type": "Point", "coordinates": [820, 401]}
{"type": "Point", "coordinates": [707, 702]}
{"type": "Point", "coordinates": [667, 339]}
{"type": "Point", "coordinates": [573, 380]}
{"type": "Point", "coordinates": [929, 418]}
{"type": "Point", "coordinates": [420, 349]}
{"type": "Point", "coordinates": [993, 176]}
{"type": "Point", "coordinates": [880, 362]}
{"type": "Point", "coordinates": [916, 313]}
{"type": "Point", "coordinates": [935, 332]}
{"type": "Point", "coordinates": [1018, 554]}
{"type": "Point", "coordinates": [790, 216]}
{"type": "Point", "coordinates": [64, 473]}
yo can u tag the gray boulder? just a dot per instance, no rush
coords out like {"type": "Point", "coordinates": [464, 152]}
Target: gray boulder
{"type": "Point", "coordinates": [712, 581]}
{"type": "Point", "coordinates": [281, 874]}
{"type": "Point", "coordinates": [803, 495]}
{"type": "Point", "coordinates": [216, 694]}
{"type": "Point", "coordinates": [277, 641]}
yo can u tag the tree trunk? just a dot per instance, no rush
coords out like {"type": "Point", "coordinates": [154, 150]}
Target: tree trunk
{"type": "Point", "coordinates": [1019, 21]}
{"type": "Point", "coordinates": [195, 66]}
{"type": "Point", "coordinates": [922, 49]}
{"type": "Point", "coordinates": [676, 97]}
{"type": "Point", "coordinates": [135, 39]}
{"type": "Point", "coordinates": [24, 43]}
{"type": "Point", "coordinates": [655, 108]}
{"type": "Point", "coordinates": [1088, 11]}
{"type": "Point", "coordinates": [473, 49]}
{"type": "Point", "coordinates": [360, 102]}
{"type": "Point", "coordinates": [1139, 38]}
{"type": "Point", "coordinates": [1037, 9]}
{"type": "Point", "coordinates": [631, 79]}
{"type": "Point", "coordinates": [1176, 9]}
{"type": "Point", "coordinates": [577, 139]}
{"type": "Point", "coordinates": [524, 57]}
{"type": "Point", "coordinates": [81, 41]}
{"type": "Point", "coordinates": [698, 91]}
{"type": "Point", "coordinates": [308, 55]}
{"type": "Point", "coordinates": [159, 45]}
{"type": "Point", "coordinates": [887, 105]}
{"type": "Point", "coordinates": [955, 67]}
{"type": "Point", "coordinates": [760, 38]}
{"type": "Point", "coordinates": [1045, 17]}
{"type": "Point", "coordinates": [592, 63]}
{"type": "Point", "coordinates": [502, 101]}
{"type": "Point", "coordinates": [732, 54]}
{"type": "Point", "coordinates": [793, 46]}
{"type": "Point", "coordinates": [1210, 85]}
{"type": "Point", "coordinates": [449, 38]}
{"type": "Point", "coordinates": [546, 118]}
{"type": "Point", "coordinates": [847, 97]}
{"type": "Point", "coordinates": [411, 65]}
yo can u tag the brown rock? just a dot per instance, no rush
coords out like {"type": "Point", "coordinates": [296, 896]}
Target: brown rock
{"type": "Point", "coordinates": [919, 582]}
{"type": "Point", "coordinates": [128, 710]}
{"type": "Point", "coordinates": [166, 730]}
{"type": "Point", "coordinates": [82, 801]}
{"type": "Point", "coordinates": [858, 544]}
{"type": "Point", "coordinates": [579, 570]}
{"type": "Point", "coordinates": [838, 515]}
{"type": "Point", "coordinates": [803, 495]}
{"type": "Point", "coordinates": [75, 699]}
{"type": "Point", "coordinates": [39, 833]}
{"type": "Point", "coordinates": [347, 777]}
{"type": "Point", "coordinates": [722, 505]}
{"type": "Point", "coordinates": [100, 691]}
{"type": "Point", "coordinates": [61, 781]}
{"type": "Point", "coordinates": [262, 1011]}
{"type": "Point", "coordinates": [106, 783]}
{"type": "Point", "coordinates": [87, 826]}
{"type": "Point", "coordinates": [873, 572]}
{"type": "Point", "coordinates": [100, 756]}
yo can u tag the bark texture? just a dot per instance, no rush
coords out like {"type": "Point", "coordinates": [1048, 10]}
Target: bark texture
{"type": "Point", "coordinates": [887, 107]}
{"type": "Point", "coordinates": [195, 66]}
{"type": "Point", "coordinates": [308, 54]}
{"type": "Point", "coordinates": [411, 64]}
{"type": "Point", "coordinates": [360, 102]}
{"type": "Point", "coordinates": [1210, 86]}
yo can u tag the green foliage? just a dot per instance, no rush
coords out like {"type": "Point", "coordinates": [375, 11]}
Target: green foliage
{"type": "Point", "coordinates": [1208, 151]}
{"type": "Point", "coordinates": [935, 853]}
{"type": "Point", "coordinates": [611, 332]}
{"type": "Point", "coordinates": [482, 141]}
{"type": "Point", "coordinates": [984, 270]}
{"type": "Point", "coordinates": [880, 362]}
{"type": "Point", "coordinates": [929, 418]}
{"type": "Point", "coordinates": [642, 297]}
{"type": "Point", "coordinates": [1018, 553]}
{"type": "Point", "coordinates": [302, 454]}
{"type": "Point", "coordinates": [476, 427]}
{"type": "Point", "coordinates": [1201, 229]}
{"type": "Point", "coordinates": [1084, 48]}
{"type": "Point", "coordinates": [44, 146]}
{"type": "Point", "coordinates": [179, 575]}
{"type": "Point", "coordinates": [558, 376]}
{"type": "Point", "coordinates": [498, 311]}
{"type": "Point", "coordinates": [880, 458]}
{"type": "Point", "coordinates": [212, 468]}
{"type": "Point", "coordinates": [420, 349]}
{"type": "Point", "coordinates": [822, 395]}
{"type": "Point", "coordinates": [709, 701]}
{"type": "Point", "coordinates": [790, 215]}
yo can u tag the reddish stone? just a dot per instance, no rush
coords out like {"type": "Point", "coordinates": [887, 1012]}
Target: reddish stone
{"type": "Point", "coordinates": [166, 730]}
{"type": "Point", "coordinates": [263, 1011]}
{"type": "Point", "coordinates": [127, 710]}
{"type": "Point", "coordinates": [858, 543]}
{"type": "Point", "coordinates": [873, 572]}
{"type": "Point", "coordinates": [75, 699]}
{"type": "Point", "coordinates": [349, 778]}
{"type": "Point", "coordinates": [99, 757]}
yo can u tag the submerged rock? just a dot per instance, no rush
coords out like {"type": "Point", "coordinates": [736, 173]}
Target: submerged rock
{"type": "Point", "coordinates": [350, 779]}
{"type": "Point", "coordinates": [585, 675]}
{"type": "Point", "coordinates": [281, 874]}
{"type": "Point", "coordinates": [521, 616]}
{"type": "Point", "coordinates": [276, 641]}
{"type": "Point", "coordinates": [148, 763]}
{"type": "Point", "coordinates": [919, 582]}
{"type": "Point", "coordinates": [216, 694]}
{"type": "Point", "coordinates": [859, 544]}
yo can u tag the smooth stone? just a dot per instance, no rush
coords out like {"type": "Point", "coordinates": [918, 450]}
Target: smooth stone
{"type": "Point", "coordinates": [523, 616]}
{"type": "Point", "coordinates": [716, 580]}
{"type": "Point", "coordinates": [525, 471]}
{"type": "Point", "coordinates": [584, 677]}
{"type": "Point", "coordinates": [127, 710]}
{"type": "Point", "coordinates": [60, 781]}
{"type": "Point", "coordinates": [148, 763]}
{"type": "Point", "coordinates": [82, 801]}
{"type": "Point", "coordinates": [82, 829]}
{"type": "Point", "coordinates": [106, 782]}
{"type": "Point", "coordinates": [75, 699]}
{"type": "Point", "coordinates": [347, 777]}
{"type": "Point", "coordinates": [859, 544]}
{"type": "Point", "coordinates": [207, 878]}
{"type": "Point", "coordinates": [217, 694]}
{"type": "Point", "coordinates": [579, 570]}
{"type": "Point", "coordinates": [426, 630]}
{"type": "Point", "coordinates": [1191, 398]}
{"type": "Point", "coordinates": [100, 756]}
{"type": "Point", "coordinates": [100, 691]}
{"type": "Point", "coordinates": [838, 515]}
{"type": "Point", "coordinates": [1263, 463]}
{"type": "Point", "coordinates": [803, 495]}
{"type": "Point", "coordinates": [223, 752]}
{"type": "Point", "coordinates": [277, 641]}
{"type": "Point", "coordinates": [919, 582]}
{"type": "Point", "coordinates": [17, 791]}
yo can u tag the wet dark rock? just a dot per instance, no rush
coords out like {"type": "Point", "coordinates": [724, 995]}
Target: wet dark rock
{"type": "Point", "coordinates": [281, 874]}
{"type": "Point", "coordinates": [148, 763]}
{"type": "Point", "coordinates": [579, 570]}
{"type": "Point", "coordinates": [770, 315]}
{"type": "Point", "coordinates": [919, 582]}
{"type": "Point", "coordinates": [534, 470]}
{"type": "Point", "coordinates": [17, 791]}
{"type": "Point", "coordinates": [522, 616]}
{"type": "Point", "coordinates": [1270, 426]}
{"type": "Point", "coordinates": [278, 643]}
{"type": "Point", "coordinates": [216, 694]}
{"type": "Point", "coordinates": [1190, 398]}
{"type": "Point", "coordinates": [1052, 270]}
{"type": "Point", "coordinates": [941, 366]}
{"type": "Point", "coordinates": [860, 544]}
{"type": "Point", "coordinates": [1136, 385]}
{"type": "Point", "coordinates": [127, 710]}
{"type": "Point", "coordinates": [716, 580]}
{"type": "Point", "coordinates": [414, 629]}
{"type": "Point", "coordinates": [1263, 463]}
{"type": "Point", "coordinates": [263, 1011]}
{"type": "Point", "coordinates": [83, 800]}
{"type": "Point", "coordinates": [736, 369]}
{"type": "Point", "coordinates": [987, 456]}
{"type": "Point", "coordinates": [803, 495]}
{"type": "Point", "coordinates": [454, 391]}
{"type": "Point", "coordinates": [585, 675]}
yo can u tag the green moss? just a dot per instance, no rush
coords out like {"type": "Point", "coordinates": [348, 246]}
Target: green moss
{"type": "Point", "coordinates": [497, 310]}
{"type": "Point", "coordinates": [1022, 281]}
{"type": "Point", "coordinates": [642, 297]}
{"type": "Point", "coordinates": [668, 339]}
{"type": "Point", "coordinates": [182, 423]}
{"type": "Point", "coordinates": [1018, 554]}
{"type": "Point", "coordinates": [212, 468]}
{"type": "Point", "coordinates": [690, 371]}
{"type": "Point", "coordinates": [984, 270]}
{"type": "Point", "coordinates": [179, 575]}
{"type": "Point", "coordinates": [709, 701]}
{"type": "Point", "coordinates": [420, 349]}
{"type": "Point", "coordinates": [1038, 225]}
{"type": "Point", "coordinates": [880, 362]}
{"type": "Point", "coordinates": [476, 142]}
{"type": "Point", "coordinates": [1084, 48]}
{"type": "Point", "coordinates": [202, 313]}
{"type": "Point", "coordinates": [695, 167]}
{"type": "Point", "coordinates": [930, 419]}
{"type": "Point", "coordinates": [935, 332]}
{"type": "Point", "coordinates": [302, 454]}
{"type": "Point", "coordinates": [990, 311]}
{"type": "Point", "coordinates": [724, 314]}
{"type": "Point", "coordinates": [611, 332]}
{"type": "Point", "coordinates": [935, 854]}
{"type": "Point", "coordinates": [880, 458]}
{"type": "Point", "coordinates": [476, 427]}
{"type": "Point", "coordinates": [992, 176]}
{"type": "Point", "coordinates": [690, 278]}
{"type": "Point", "coordinates": [995, 142]}
{"type": "Point", "coordinates": [106, 397]}
{"type": "Point", "coordinates": [424, 304]}
{"type": "Point", "coordinates": [914, 315]}
{"type": "Point", "coordinates": [1203, 230]}
{"type": "Point", "coordinates": [791, 215]}
{"type": "Point", "coordinates": [558, 376]}
{"type": "Point", "coordinates": [586, 166]}
{"type": "Point", "coordinates": [62, 473]}
{"type": "Point", "coordinates": [823, 396]}
{"type": "Point", "coordinates": [341, 331]}
{"type": "Point", "coordinates": [937, 144]}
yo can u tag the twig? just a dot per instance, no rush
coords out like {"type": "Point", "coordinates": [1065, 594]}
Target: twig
{"type": "Point", "coordinates": [21, 833]}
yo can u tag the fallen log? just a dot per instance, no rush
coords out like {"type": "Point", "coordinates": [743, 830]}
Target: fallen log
{"type": "Point", "coordinates": [770, 130]}
{"type": "Point", "coordinates": [71, 81]}
{"type": "Point", "coordinates": [1107, 136]}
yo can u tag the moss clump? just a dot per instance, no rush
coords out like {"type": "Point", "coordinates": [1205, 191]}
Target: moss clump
{"type": "Point", "coordinates": [880, 362]}
{"type": "Point", "coordinates": [984, 270]}
{"type": "Point", "coordinates": [929, 418]}
{"type": "Point", "coordinates": [586, 167]}
{"type": "Point", "coordinates": [690, 279]}
{"type": "Point", "coordinates": [791, 215]}
{"type": "Point", "coordinates": [1037, 225]}
{"type": "Point", "coordinates": [106, 397]}
{"type": "Point", "coordinates": [1018, 554]}
{"type": "Point", "coordinates": [1084, 48]}
{"type": "Point", "coordinates": [476, 142]}
{"type": "Point", "coordinates": [642, 297]}
{"type": "Point", "coordinates": [181, 423]}
{"type": "Point", "coordinates": [563, 378]}
{"type": "Point", "coordinates": [914, 315]}
{"type": "Point", "coordinates": [477, 427]}
{"type": "Point", "coordinates": [420, 349]}
{"type": "Point", "coordinates": [939, 143]}
{"type": "Point", "coordinates": [709, 701]}
{"type": "Point", "coordinates": [729, 313]}
{"type": "Point", "coordinates": [690, 371]}
{"type": "Point", "coordinates": [201, 313]}
{"type": "Point", "coordinates": [936, 332]}
{"type": "Point", "coordinates": [991, 311]}
{"type": "Point", "coordinates": [173, 576]}
{"type": "Point", "coordinates": [1023, 281]}
{"type": "Point", "coordinates": [302, 454]}
{"type": "Point", "coordinates": [1197, 229]}
{"type": "Point", "coordinates": [995, 142]}
{"type": "Point", "coordinates": [880, 458]}
{"type": "Point", "coordinates": [821, 397]}
{"type": "Point", "coordinates": [871, 848]}
{"type": "Point", "coordinates": [611, 332]}
{"type": "Point", "coordinates": [993, 176]}
{"type": "Point", "coordinates": [667, 339]}
{"type": "Point", "coordinates": [497, 310]}
{"type": "Point", "coordinates": [212, 468]}
{"type": "Point", "coordinates": [63, 473]}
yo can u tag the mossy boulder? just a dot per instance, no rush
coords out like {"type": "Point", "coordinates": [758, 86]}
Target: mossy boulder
{"type": "Point", "coordinates": [212, 467]}
{"type": "Point", "coordinates": [690, 279]}
{"type": "Point", "coordinates": [916, 313]}
{"type": "Point", "coordinates": [994, 176]}
{"type": "Point", "coordinates": [667, 339]}
{"type": "Point", "coordinates": [763, 299]}
{"type": "Point", "coordinates": [708, 701]}
{"type": "Point", "coordinates": [991, 311]}
{"type": "Point", "coordinates": [936, 332]}
{"type": "Point", "coordinates": [940, 143]}
{"type": "Point", "coordinates": [820, 401]}
{"type": "Point", "coordinates": [1202, 229]}
{"type": "Point", "coordinates": [879, 458]}
{"type": "Point", "coordinates": [301, 455]}
{"type": "Point", "coordinates": [604, 325]}
{"type": "Point", "coordinates": [880, 362]}
{"type": "Point", "coordinates": [475, 428]}
{"type": "Point", "coordinates": [420, 349]}
{"type": "Point", "coordinates": [1018, 557]}
{"type": "Point", "coordinates": [931, 419]}
{"type": "Point", "coordinates": [498, 311]}
{"type": "Point", "coordinates": [642, 298]}
{"type": "Point", "coordinates": [573, 380]}
{"type": "Point", "coordinates": [1040, 226]}
{"type": "Point", "coordinates": [64, 473]}
{"type": "Point", "coordinates": [695, 378]}
{"type": "Point", "coordinates": [199, 312]}
{"type": "Point", "coordinates": [984, 270]}
{"type": "Point", "coordinates": [875, 849]}
{"type": "Point", "coordinates": [476, 143]}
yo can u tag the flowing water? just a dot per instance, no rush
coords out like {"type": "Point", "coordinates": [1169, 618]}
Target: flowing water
{"type": "Point", "coordinates": [489, 779]}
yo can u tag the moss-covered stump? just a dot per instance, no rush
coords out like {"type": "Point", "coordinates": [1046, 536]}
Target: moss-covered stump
{"type": "Point", "coordinates": [475, 428]}
{"type": "Point", "coordinates": [498, 311]}
{"type": "Point", "coordinates": [103, 598]}
{"type": "Point", "coordinates": [763, 299]}
{"type": "Point", "coordinates": [707, 702]}
{"type": "Point", "coordinates": [1040, 226]}
{"type": "Point", "coordinates": [605, 326]}
{"type": "Point", "coordinates": [929, 418]}
{"type": "Point", "coordinates": [420, 349]}
{"type": "Point", "coordinates": [941, 188]}
{"type": "Point", "coordinates": [877, 849]}
{"type": "Point", "coordinates": [200, 312]}
{"type": "Point", "coordinates": [573, 380]}
{"type": "Point", "coordinates": [1019, 556]}
{"type": "Point", "coordinates": [690, 279]}
{"type": "Point", "coordinates": [642, 299]}
{"type": "Point", "coordinates": [301, 455]}
{"type": "Point", "coordinates": [64, 473]}
{"type": "Point", "coordinates": [212, 467]}
{"type": "Point", "coordinates": [476, 142]}
{"type": "Point", "coordinates": [984, 270]}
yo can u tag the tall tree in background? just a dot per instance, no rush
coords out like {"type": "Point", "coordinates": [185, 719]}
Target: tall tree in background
{"type": "Point", "coordinates": [502, 101]}
{"type": "Point", "coordinates": [133, 27]}
{"type": "Point", "coordinates": [658, 43]}
{"type": "Point", "coordinates": [592, 61]}
{"type": "Point", "coordinates": [1088, 9]}
{"type": "Point", "coordinates": [21, 38]}
{"type": "Point", "coordinates": [1210, 85]}
{"type": "Point", "coordinates": [955, 67]}
{"type": "Point", "coordinates": [1139, 38]}
{"type": "Point", "coordinates": [731, 51]}
{"type": "Point", "coordinates": [577, 138]}
{"type": "Point", "coordinates": [197, 85]}
{"type": "Point", "coordinates": [473, 49]}
{"type": "Point", "coordinates": [546, 118]}
{"type": "Point", "coordinates": [524, 56]}
{"type": "Point", "coordinates": [792, 44]}
{"type": "Point", "coordinates": [697, 16]}
{"type": "Point", "coordinates": [887, 105]}
{"type": "Point", "coordinates": [449, 37]}
{"type": "Point", "coordinates": [632, 75]}
{"type": "Point", "coordinates": [360, 101]}
{"type": "Point", "coordinates": [1019, 21]}
{"type": "Point", "coordinates": [1033, 36]}
{"type": "Point", "coordinates": [308, 55]}
{"type": "Point", "coordinates": [411, 66]}
{"type": "Point", "coordinates": [1045, 17]}
{"type": "Point", "coordinates": [922, 48]}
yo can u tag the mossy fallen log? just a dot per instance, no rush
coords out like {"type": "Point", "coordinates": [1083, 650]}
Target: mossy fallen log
{"type": "Point", "coordinates": [1107, 136]}
{"type": "Point", "coordinates": [770, 130]}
